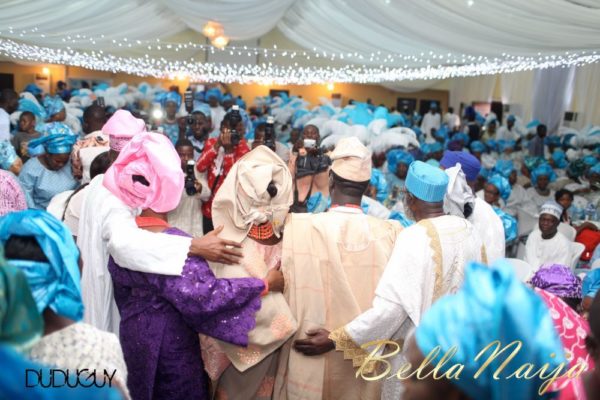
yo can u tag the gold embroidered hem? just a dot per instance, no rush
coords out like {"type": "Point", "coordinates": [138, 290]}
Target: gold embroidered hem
{"type": "Point", "coordinates": [483, 255]}
{"type": "Point", "coordinates": [352, 351]}
{"type": "Point", "coordinates": [436, 247]}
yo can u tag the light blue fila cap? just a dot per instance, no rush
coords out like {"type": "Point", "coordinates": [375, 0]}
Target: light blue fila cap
{"type": "Point", "coordinates": [426, 182]}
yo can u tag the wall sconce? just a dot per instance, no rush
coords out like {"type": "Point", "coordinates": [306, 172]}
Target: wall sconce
{"type": "Point", "coordinates": [330, 87]}
{"type": "Point", "coordinates": [46, 71]}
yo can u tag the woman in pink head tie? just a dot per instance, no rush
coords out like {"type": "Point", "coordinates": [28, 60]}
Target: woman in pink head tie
{"type": "Point", "coordinates": [107, 225]}
{"type": "Point", "coordinates": [120, 128]}
{"type": "Point", "coordinates": [11, 194]}
{"type": "Point", "coordinates": [162, 315]}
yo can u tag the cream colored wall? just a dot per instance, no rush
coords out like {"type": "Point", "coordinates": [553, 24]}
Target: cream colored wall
{"type": "Point", "coordinates": [25, 74]}
{"type": "Point", "coordinates": [312, 93]}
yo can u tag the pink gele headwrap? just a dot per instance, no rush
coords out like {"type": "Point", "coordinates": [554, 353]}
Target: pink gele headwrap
{"type": "Point", "coordinates": [12, 197]}
{"type": "Point", "coordinates": [152, 156]}
{"type": "Point", "coordinates": [121, 127]}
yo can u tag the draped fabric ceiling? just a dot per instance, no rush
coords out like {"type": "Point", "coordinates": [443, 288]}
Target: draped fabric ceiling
{"type": "Point", "coordinates": [357, 28]}
{"type": "Point", "coordinates": [478, 27]}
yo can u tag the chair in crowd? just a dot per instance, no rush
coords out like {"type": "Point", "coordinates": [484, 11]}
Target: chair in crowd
{"type": "Point", "coordinates": [577, 250]}
{"type": "Point", "coordinates": [523, 270]}
{"type": "Point", "coordinates": [568, 231]}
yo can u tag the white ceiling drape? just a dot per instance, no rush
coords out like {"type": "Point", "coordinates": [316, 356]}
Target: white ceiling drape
{"type": "Point", "coordinates": [476, 27]}
{"type": "Point", "coordinates": [487, 27]}
{"type": "Point", "coordinates": [428, 30]}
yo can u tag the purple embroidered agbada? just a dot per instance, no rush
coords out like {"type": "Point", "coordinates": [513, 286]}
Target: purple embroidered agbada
{"type": "Point", "coordinates": [161, 317]}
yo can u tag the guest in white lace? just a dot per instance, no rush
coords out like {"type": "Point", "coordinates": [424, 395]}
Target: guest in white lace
{"type": "Point", "coordinates": [43, 248]}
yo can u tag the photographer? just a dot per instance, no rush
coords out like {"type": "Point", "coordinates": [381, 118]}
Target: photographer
{"type": "Point", "coordinates": [310, 169]}
{"type": "Point", "coordinates": [264, 134]}
{"type": "Point", "coordinates": [200, 128]}
{"type": "Point", "coordinates": [188, 216]}
{"type": "Point", "coordinates": [218, 157]}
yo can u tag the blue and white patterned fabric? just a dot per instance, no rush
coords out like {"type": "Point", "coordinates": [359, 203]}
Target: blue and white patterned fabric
{"type": "Point", "coordinates": [41, 184]}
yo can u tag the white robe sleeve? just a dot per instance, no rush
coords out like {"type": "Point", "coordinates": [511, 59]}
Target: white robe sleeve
{"type": "Point", "coordinates": [380, 322]}
{"type": "Point", "coordinates": [140, 250]}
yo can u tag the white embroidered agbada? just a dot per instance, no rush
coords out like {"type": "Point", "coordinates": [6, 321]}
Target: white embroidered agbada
{"type": "Point", "coordinates": [106, 225]}
{"type": "Point", "coordinates": [516, 200]}
{"type": "Point", "coordinates": [188, 215]}
{"type": "Point", "coordinates": [537, 199]}
{"type": "Point", "coordinates": [490, 228]}
{"type": "Point", "coordinates": [485, 221]}
{"type": "Point", "coordinates": [427, 262]}
{"type": "Point", "coordinates": [539, 251]}
{"type": "Point", "coordinates": [430, 121]}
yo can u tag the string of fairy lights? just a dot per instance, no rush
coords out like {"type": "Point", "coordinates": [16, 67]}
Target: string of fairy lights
{"type": "Point", "coordinates": [391, 68]}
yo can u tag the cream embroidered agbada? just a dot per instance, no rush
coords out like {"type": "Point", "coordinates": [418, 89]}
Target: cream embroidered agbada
{"type": "Point", "coordinates": [331, 262]}
{"type": "Point", "coordinates": [427, 262]}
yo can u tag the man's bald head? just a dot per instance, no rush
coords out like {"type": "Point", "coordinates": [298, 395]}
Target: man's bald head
{"type": "Point", "coordinates": [94, 118]}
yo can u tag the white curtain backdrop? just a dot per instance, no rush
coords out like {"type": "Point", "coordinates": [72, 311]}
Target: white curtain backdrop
{"type": "Point", "coordinates": [516, 90]}
{"type": "Point", "coordinates": [552, 93]}
{"type": "Point", "coordinates": [586, 96]}
{"type": "Point", "coordinates": [467, 90]}
{"type": "Point", "coordinates": [411, 86]}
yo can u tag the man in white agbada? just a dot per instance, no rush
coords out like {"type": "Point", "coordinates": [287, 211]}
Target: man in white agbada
{"type": "Point", "coordinates": [431, 120]}
{"type": "Point", "coordinates": [427, 262]}
{"type": "Point", "coordinates": [107, 226]}
{"type": "Point", "coordinates": [462, 169]}
{"type": "Point", "coordinates": [508, 131]}
{"type": "Point", "coordinates": [451, 119]}
{"type": "Point", "coordinates": [547, 245]}
{"type": "Point", "coordinates": [188, 216]}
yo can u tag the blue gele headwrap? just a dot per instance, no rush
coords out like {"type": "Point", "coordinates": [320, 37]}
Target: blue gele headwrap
{"type": "Point", "coordinates": [53, 105]}
{"type": "Point", "coordinates": [56, 143]}
{"type": "Point", "coordinates": [172, 97]}
{"type": "Point", "coordinates": [32, 107]}
{"type": "Point", "coordinates": [504, 167]}
{"type": "Point", "coordinates": [543, 170]}
{"type": "Point", "coordinates": [462, 137]}
{"type": "Point", "coordinates": [477, 146]}
{"type": "Point", "coordinates": [214, 92]}
{"type": "Point", "coordinates": [240, 102]}
{"type": "Point", "coordinates": [378, 181]}
{"type": "Point", "coordinates": [501, 183]}
{"type": "Point", "coordinates": [590, 160]}
{"type": "Point", "coordinates": [441, 133]}
{"type": "Point", "coordinates": [506, 144]}
{"type": "Point", "coordinates": [492, 305]}
{"type": "Point", "coordinates": [510, 224]}
{"type": "Point", "coordinates": [7, 154]}
{"type": "Point", "coordinates": [55, 283]}
{"type": "Point", "coordinates": [360, 114]}
{"type": "Point", "coordinates": [435, 147]}
{"type": "Point", "coordinates": [201, 107]}
{"type": "Point", "coordinates": [33, 89]}
{"type": "Point", "coordinates": [397, 156]}
{"type": "Point", "coordinates": [560, 159]}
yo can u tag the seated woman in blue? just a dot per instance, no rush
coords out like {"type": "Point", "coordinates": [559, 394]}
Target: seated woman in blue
{"type": "Point", "coordinates": [49, 173]}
